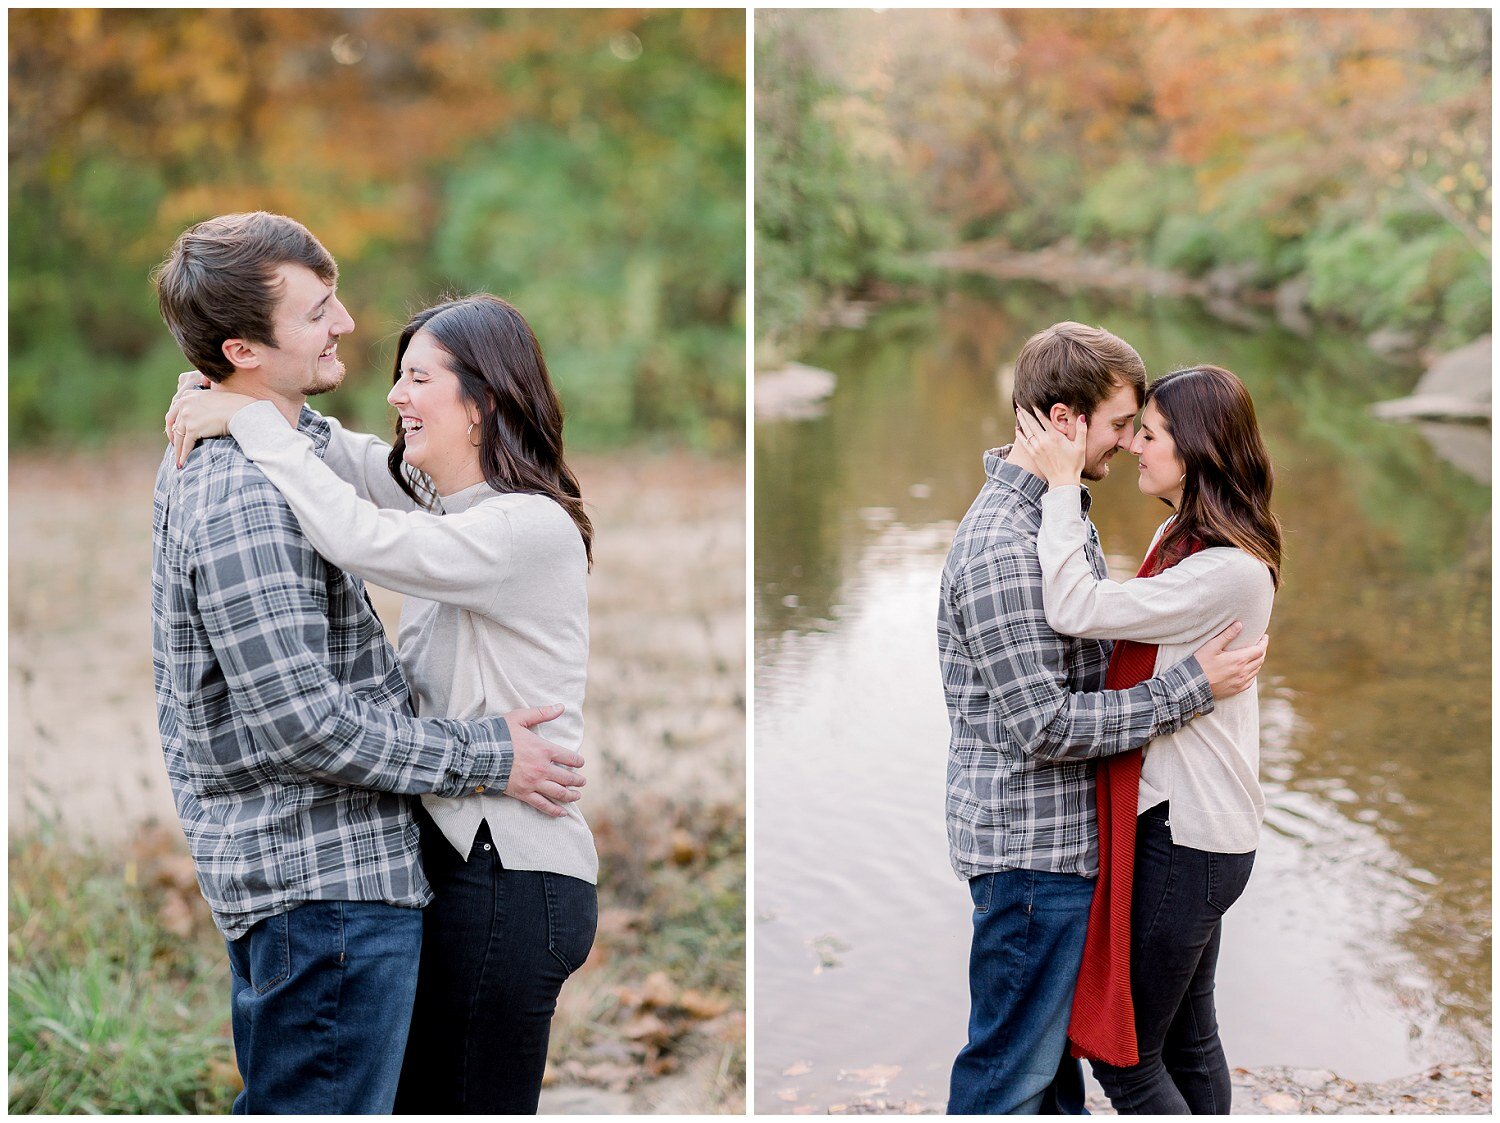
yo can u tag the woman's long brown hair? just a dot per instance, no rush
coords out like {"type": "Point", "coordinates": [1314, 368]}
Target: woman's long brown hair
{"type": "Point", "coordinates": [500, 370]}
{"type": "Point", "coordinates": [1226, 499]}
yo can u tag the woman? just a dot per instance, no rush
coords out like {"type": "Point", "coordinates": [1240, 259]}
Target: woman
{"type": "Point", "coordinates": [1190, 809]}
{"type": "Point", "coordinates": [475, 516]}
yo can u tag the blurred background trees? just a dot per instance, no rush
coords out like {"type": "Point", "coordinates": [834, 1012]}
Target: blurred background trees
{"type": "Point", "coordinates": [586, 165]}
{"type": "Point", "coordinates": [1344, 152]}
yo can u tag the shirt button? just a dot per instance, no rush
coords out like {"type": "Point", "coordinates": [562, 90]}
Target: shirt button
{"type": "Point", "coordinates": [479, 790]}
{"type": "Point", "coordinates": [486, 845]}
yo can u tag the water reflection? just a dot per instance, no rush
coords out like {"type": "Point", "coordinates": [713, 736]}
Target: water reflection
{"type": "Point", "coordinates": [1363, 943]}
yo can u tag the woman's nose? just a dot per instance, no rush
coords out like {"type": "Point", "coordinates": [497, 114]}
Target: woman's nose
{"type": "Point", "coordinates": [1137, 446]}
{"type": "Point", "coordinates": [397, 395]}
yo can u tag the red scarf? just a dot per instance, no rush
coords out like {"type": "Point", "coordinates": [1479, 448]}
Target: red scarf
{"type": "Point", "coordinates": [1103, 1022]}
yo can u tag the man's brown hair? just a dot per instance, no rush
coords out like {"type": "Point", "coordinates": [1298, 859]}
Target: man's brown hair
{"type": "Point", "coordinates": [1076, 365]}
{"type": "Point", "coordinates": [219, 282]}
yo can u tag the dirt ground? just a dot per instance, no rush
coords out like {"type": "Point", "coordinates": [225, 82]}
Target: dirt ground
{"type": "Point", "coordinates": [664, 716]}
{"type": "Point", "coordinates": [666, 697]}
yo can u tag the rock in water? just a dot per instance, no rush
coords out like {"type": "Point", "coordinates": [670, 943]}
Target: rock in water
{"type": "Point", "coordinates": [793, 393]}
{"type": "Point", "coordinates": [1455, 388]}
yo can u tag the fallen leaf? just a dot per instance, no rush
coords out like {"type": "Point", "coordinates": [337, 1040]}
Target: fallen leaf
{"type": "Point", "coordinates": [801, 1068]}
{"type": "Point", "coordinates": [647, 1027]}
{"type": "Point", "coordinates": [701, 1005]}
{"type": "Point", "coordinates": [787, 1095]}
{"type": "Point", "coordinates": [828, 948]}
{"type": "Point", "coordinates": [685, 848]}
{"type": "Point", "coordinates": [877, 1076]}
{"type": "Point", "coordinates": [605, 1074]}
{"type": "Point", "coordinates": [663, 1065]}
{"type": "Point", "coordinates": [658, 990]}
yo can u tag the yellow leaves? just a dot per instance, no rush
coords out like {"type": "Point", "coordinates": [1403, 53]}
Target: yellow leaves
{"type": "Point", "coordinates": [83, 25]}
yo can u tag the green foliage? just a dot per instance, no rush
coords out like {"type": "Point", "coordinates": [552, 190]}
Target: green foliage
{"type": "Point", "coordinates": [1468, 306]}
{"type": "Point", "coordinates": [1244, 214]}
{"type": "Point", "coordinates": [1048, 210]}
{"type": "Point", "coordinates": [831, 218]}
{"type": "Point", "coordinates": [587, 165]}
{"type": "Point", "coordinates": [1187, 242]}
{"type": "Point", "coordinates": [1127, 203]}
{"type": "Point", "coordinates": [1400, 271]}
{"type": "Point", "coordinates": [109, 1013]}
{"type": "Point", "coordinates": [641, 338]}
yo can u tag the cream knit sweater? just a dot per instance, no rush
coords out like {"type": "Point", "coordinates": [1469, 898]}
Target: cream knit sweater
{"type": "Point", "coordinates": [1209, 768]}
{"type": "Point", "coordinates": [496, 615]}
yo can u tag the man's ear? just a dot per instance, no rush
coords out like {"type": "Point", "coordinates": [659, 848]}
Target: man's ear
{"type": "Point", "coordinates": [1062, 419]}
{"type": "Point", "coordinates": [241, 355]}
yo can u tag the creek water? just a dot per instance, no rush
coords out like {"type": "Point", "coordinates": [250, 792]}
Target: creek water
{"type": "Point", "coordinates": [1363, 942]}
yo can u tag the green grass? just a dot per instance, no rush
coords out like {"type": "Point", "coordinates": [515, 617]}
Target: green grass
{"type": "Point", "coordinates": [109, 1012]}
{"type": "Point", "coordinates": [119, 986]}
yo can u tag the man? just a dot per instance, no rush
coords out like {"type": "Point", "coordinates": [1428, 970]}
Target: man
{"type": "Point", "coordinates": [1029, 715]}
{"type": "Point", "coordinates": [285, 720]}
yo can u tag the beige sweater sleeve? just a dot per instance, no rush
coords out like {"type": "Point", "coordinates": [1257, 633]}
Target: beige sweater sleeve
{"type": "Point", "coordinates": [459, 559]}
{"type": "Point", "coordinates": [1193, 600]}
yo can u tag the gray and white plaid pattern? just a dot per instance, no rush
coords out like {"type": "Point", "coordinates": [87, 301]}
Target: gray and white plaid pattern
{"type": "Point", "coordinates": [285, 719]}
{"type": "Point", "coordinates": [1027, 706]}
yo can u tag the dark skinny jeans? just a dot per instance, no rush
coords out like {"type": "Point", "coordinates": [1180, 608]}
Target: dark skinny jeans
{"type": "Point", "coordinates": [1177, 913]}
{"type": "Point", "coordinates": [497, 946]}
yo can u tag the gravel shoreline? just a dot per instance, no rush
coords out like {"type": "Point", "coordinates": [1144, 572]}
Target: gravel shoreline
{"type": "Point", "coordinates": [1439, 1090]}
{"type": "Point", "coordinates": [1445, 1089]}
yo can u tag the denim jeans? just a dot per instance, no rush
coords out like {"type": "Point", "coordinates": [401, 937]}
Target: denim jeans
{"type": "Point", "coordinates": [1029, 927]}
{"type": "Point", "coordinates": [498, 946]}
{"type": "Point", "coordinates": [1177, 911]}
{"type": "Point", "coordinates": [321, 999]}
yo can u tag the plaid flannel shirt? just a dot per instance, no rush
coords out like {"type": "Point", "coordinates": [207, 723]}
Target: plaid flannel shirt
{"type": "Point", "coordinates": [285, 719]}
{"type": "Point", "coordinates": [1028, 707]}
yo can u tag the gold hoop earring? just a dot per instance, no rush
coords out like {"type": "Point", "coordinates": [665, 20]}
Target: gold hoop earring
{"type": "Point", "coordinates": [472, 442]}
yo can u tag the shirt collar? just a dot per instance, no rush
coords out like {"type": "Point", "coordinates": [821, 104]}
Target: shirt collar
{"type": "Point", "coordinates": [461, 501]}
{"type": "Point", "coordinates": [312, 424]}
{"type": "Point", "coordinates": [997, 466]}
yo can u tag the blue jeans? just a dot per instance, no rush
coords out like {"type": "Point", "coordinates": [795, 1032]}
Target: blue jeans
{"type": "Point", "coordinates": [1029, 927]}
{"type": "Point", "coordinates": [1176, 915]}
{"type": "Point", "coordinates": [321, 1000]}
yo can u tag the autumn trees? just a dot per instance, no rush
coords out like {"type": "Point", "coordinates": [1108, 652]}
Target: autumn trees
{"type": "Point", "coordinates": [1347, 148]}
{"type": "Point", "coordinates": [589, 165]}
